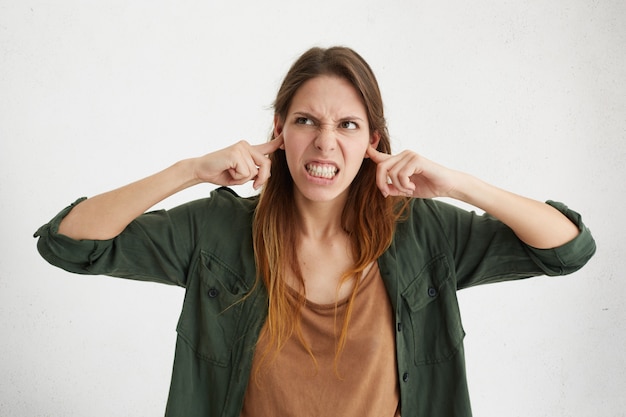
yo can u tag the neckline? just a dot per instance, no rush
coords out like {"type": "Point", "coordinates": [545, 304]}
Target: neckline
{"type": "Point", "coordinates": [366, 279]}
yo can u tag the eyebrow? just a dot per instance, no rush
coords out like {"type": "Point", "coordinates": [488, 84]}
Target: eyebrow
{"type": "Point", "coordinates": [310, 116]}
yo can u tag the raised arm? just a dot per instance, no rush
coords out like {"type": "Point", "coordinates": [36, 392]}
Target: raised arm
{"type": "Point", "coordinates": [106, 215]}
{"type": "Point", "coordinates": [537, 224]}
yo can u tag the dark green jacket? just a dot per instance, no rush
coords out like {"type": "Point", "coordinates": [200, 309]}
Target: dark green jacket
{"type": "Point", "coordinates": [206, 247]}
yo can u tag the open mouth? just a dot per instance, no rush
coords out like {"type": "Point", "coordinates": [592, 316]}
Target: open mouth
{"type": "Point", "coordinates": [322, 171]}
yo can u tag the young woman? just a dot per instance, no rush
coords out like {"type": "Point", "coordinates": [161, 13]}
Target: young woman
{"type": "Point", "coordinates": [332, 292]}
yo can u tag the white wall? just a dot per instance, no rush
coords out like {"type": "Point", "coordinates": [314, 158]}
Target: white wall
{"type": "Point", "coordinates": [527, 95]}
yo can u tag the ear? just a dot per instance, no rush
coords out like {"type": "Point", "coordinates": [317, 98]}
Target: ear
{"type": "Point", "coordinates": [374, 140]}
{"type": "Point", "coordinates": [278, 128]}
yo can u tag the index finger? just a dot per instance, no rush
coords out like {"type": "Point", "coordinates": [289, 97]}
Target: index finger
{"type": "Point", "coordinates": [376, 156]}
{"type": "Point", "coordinates": [271, 146]}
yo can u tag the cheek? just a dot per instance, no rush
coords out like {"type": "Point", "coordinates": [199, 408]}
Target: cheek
{"type": "Point", "coordinates": [290, 147]}
{"type": "Point", "coordinates": [295, 142]}
{"type": "Point", "coordinates": [358, 149]}
{"type": "Point", "coordinates": [293, 153]}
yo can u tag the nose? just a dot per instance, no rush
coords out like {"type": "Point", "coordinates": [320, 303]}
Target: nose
{"type": "Point", "coordinates": [325, 140]}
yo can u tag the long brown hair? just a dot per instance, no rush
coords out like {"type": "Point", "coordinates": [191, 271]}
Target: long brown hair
{"type": "Point", "coordinates": [368, 217]}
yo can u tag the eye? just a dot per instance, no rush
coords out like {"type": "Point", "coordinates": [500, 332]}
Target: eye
{"type": "Point", "coordinates": [348, 124]}
{"type": "Point", "coordinates": [304, 121]}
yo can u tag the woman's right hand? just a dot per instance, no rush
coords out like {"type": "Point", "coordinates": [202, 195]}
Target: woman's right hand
{"type": "Point", "coordinates": [237, 164]}
{"type": "Point", "coordinates": [106, 215]}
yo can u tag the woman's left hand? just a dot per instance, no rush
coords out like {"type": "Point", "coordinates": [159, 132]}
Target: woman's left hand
{"type": "Point", "coordinates": [410, 174]}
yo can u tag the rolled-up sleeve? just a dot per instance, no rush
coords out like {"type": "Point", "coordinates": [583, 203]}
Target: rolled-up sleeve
{"type": "Point", "coordinates": [571, 256]}
{"type": "Point", "coordinates": [486, 250]}
{"type": "Point", "coordinates": [154, 247]}
{"type": "Point", "coordinates": [60, 250]}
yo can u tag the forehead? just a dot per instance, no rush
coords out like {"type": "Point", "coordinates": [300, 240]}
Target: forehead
{"type": "Point", "coordinates": [328, 95]}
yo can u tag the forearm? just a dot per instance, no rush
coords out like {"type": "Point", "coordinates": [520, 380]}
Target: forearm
{"type": "Point", "coordinates": [107, 215]}
{"type": "Point", "coordinates": [535, 223]}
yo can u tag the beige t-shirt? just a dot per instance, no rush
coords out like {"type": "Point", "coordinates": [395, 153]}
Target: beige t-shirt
{"type": "Point", "coordinates": [367, 384]}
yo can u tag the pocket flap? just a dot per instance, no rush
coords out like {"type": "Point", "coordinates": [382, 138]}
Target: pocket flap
{"type": "Point", "coordinates": [428, 284]}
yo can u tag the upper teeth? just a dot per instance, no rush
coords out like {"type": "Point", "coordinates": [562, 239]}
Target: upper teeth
{"type": "Point", "coordinates": [325, 171]}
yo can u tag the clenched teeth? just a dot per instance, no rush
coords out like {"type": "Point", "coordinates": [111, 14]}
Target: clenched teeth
{"type": "Point", "coordinates": [322, 171]}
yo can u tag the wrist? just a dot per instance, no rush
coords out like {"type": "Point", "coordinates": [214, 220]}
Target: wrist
{"type": "Point", "coordinates": [467, 188]}
{"type": "Point", "coordinates": [187, 172]}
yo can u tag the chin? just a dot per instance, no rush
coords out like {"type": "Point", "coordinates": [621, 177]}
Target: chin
{"type": "Point", "coordinates": [323, 195]}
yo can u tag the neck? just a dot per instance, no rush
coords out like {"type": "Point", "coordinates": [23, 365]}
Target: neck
{"type": "Point", "coordinates": [320, 220]}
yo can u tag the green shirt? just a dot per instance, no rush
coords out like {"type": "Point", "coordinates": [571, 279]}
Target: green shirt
{"type": "Point", "coordinates": [206, 247]}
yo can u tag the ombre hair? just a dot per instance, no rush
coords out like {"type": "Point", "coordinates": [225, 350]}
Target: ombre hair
{"type": "Point", "coordinates": [368, 218]}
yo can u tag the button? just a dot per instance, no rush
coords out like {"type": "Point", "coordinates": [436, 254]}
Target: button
{"type": "Point", "coordinates": [405, 377]}
{"type": "Point", "coordinates": [432, 292]}
{"type": "Point", "coordinates": [213, 292]}
{"type": "Point", "coordinates": [399, 327]}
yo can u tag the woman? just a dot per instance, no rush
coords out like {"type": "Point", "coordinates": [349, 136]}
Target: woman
{"type": "Point", "coordinates": [333, 292]}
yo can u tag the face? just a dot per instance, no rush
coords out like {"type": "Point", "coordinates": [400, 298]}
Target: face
{"type": "Point", "coordinates": [326, 134]}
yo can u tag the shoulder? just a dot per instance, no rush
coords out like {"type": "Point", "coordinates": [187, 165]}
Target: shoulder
{"type": "Point", "coordinates": [227, 198]}
{"type": "Point", "coordinates": [222, 203]}
{"type": "Point", "coordinates": [425, 224]}
{"type": "Point", "coordinates": [220, 225]}
{"type": "Point", "coordinates": [221, 214]}
{"type": "Point", "coordinates": [430, 213]}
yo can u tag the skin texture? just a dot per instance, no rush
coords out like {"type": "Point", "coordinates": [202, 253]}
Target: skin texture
{"type": "Point", "coordinates": [326, 126]}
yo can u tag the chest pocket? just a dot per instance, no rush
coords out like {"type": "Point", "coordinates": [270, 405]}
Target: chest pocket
{"type": "Point", "coordinates": [212, 310]}
{"type": "Point", "coordinates": [434, 313]}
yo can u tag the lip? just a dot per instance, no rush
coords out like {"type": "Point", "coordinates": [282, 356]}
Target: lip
{"type": "Point", "coordinates": [321, 163]}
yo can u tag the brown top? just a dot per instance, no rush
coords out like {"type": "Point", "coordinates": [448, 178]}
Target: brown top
{"type": "Point", "coordinates": [367, 384]}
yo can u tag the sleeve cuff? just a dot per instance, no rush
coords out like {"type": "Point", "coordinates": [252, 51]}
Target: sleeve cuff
{"type": "Point", "coordinates": [570, 256]}
{"type": "Point", "coordinates": [52, 227]}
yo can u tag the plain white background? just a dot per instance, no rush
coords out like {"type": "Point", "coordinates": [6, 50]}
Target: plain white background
{"type": "Point", "coordinates": [527, 95]}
